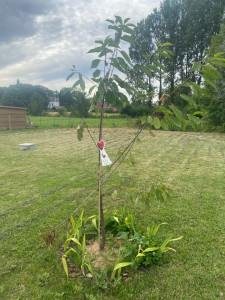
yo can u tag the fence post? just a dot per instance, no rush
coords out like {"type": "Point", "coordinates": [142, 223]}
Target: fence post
{"type": "Point", "coordinates": [40, 121]}
{"type": "Point", "coordinates": [47, 122]}
{"type": "Point", "coordinates": [61, 122]}
{"type": "Point", "coordinates": [10, 128]}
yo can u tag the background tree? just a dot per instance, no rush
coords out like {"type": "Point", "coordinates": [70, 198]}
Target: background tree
{"type": "Point", "coordinates": [66, 98]}
{"type": "Point", "coordinates": [81, 104]}
{"type": "Point", "coordinates": [189, 26]}
{"type": "Point", "coordinates": [75, 101]}
{"type": "Point", "coordinates": [35, 98]}
{"type": "Point", "coordinates": [215, 104]}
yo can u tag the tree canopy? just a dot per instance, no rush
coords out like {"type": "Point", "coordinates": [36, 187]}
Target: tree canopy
{"type": "Point", "coordinates": [35, 98]}
{"type": "Point", "coordinates": [189, 26]}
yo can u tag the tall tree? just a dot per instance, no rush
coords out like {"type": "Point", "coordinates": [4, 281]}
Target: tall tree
{"type": "Point", "coordinates": [81, 104]}
{"type": "Point", "coordinates": [189, 26]}
{"type": "Point", "coordinates": [66, 98]}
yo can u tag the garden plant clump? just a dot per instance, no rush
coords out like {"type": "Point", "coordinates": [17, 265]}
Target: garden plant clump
{"type": "Point", "coordinates": [126, 246]}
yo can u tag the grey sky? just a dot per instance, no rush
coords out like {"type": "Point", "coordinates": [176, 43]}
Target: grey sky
{"type": "Point", "coordinates": [41, 39]}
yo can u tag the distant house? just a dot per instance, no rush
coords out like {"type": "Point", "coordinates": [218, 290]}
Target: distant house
{"type": "Point", "coordinates": [53, 102]}
{"type": "Point", "coordinates": [12, 117]}
{"type": "Point", "coordinates": [105, 107]}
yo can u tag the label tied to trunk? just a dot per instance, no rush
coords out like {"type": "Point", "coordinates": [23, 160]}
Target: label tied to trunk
{"type": "Point", "coordinates": [104, 157]}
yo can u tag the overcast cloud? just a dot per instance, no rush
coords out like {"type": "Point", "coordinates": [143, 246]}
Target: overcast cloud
{"type": "Point", "coordinates": [41, 39]}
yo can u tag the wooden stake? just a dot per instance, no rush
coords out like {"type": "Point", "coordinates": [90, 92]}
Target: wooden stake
{"type": "Point", "coordinates": [10, 128]}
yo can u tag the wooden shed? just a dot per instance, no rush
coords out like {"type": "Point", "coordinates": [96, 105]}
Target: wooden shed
{"type": "Point", "coordinates": [12, 117]}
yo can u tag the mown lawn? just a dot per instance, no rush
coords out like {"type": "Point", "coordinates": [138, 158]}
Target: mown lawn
{"type": "Point", "coordinates": [40, 188]}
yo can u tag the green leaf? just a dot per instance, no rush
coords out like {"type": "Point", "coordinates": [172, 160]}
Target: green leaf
{"type": "Point", "coordinates": [114, 27]}
{"type": "Point", "coordinates": [105, 51]}
{"type": "Point", "coordinates": [166, 241]}
{"type": "Point", "coordinates": [151, 249]}
{"type": "Point", "coordinates": [99, 42]}
{"type": "Point", "coordinates": [140, 255]}
{"type": "Point", "coordinates": [131, 25]}
{"type": "Point", "coordinates": [119, 20]}
{"type": "Point", "coordinates": [219, 54]}
{"type": "Point", "coordinates": [164, 124]}
{"type": "Point", "coordinates": [122, 63]}
{"type": "Point", "coordinates": [209, 81]}
{"type": "Point", "coordinates": [159, 65]}
{"type": "Point", "coordinates": [71, 249]}
{"type": "Point", "coordinates": [82, 83]}
{"type": "Point", "coordinates": [194, 119]}
{"type": "Point", "coordinates": [126, 20]}
{"type": "Point", "coordinates": [141, 83]}
{"type": "Point", "coordinates": [177, 239]}
{"type": "Point", "coordinates": [96, 73]}
{"type": "Point", "coordinates": [164, 249]}
{"type": "Point", "coordinates": [76, 84]}
{"type": "Point", "coordinates": [65, 265]}
{"type": "Point", "coordinates": [127, 38]}
{"type": "Point", "coordinates": [176, 121]}
{"type": "Point", "coordinates": [218, 63]}
{"type": "Point", "coordinates": [166, 44]}
{"type": "Point", "coordinates": [157, 228]}
{"type": "Point", "coordinates": [90, 268]}
{"type": "Point", "coordinates": [177, 112]}
{"type": "Point", "coordinates": [75, 241]}
{"type": "Point", "coordinates": [196, 66]}
{"type": "Point", "coordinates": [154, 68]}
{"type": "Point", "coordinates": [198, 113]}
{"type": "Point", "coordinates": [156, 123]}
{"type": "Point", "coordinates": [126, 56]}
{"type": "Point", "coordinates": [116, 219]}
{"type": "Point", "coordinates": [95, 63]}
{"type": "Point", "coordinates": [94, 223]}
{"type": "Point", "coordinates": [189, 99]}
{"type": "Point", "coordinates": [116, 64]}
{"type": "Point", "coordinates": [169, 52]}
{"type": "Point", "coordinates": [91, 89]}
{"type": "Point", "coordinates": [69, 76]}
{"type": "Point", "coordinates": [163, 53]}
{"type": "Point", "coordinates": [94, 50]}
{"type": "Point", "coordinates": [122, 265]}
{"type": "Point", "coordinates": [143, 120]}
{"type": "Point", "coordinates": [146, 71]}
{"type": "Point", "coordinates": [83, 244]}
{"type": "Point", "coordinates": [110, 21]}
{"type": "Point", "coordinates": [150, 120]}
{"type": "Point", "coordinates": [128, 30]}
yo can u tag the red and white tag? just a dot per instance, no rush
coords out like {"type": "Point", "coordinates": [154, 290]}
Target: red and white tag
{"type": "Point", "coordinates": [104, 157]}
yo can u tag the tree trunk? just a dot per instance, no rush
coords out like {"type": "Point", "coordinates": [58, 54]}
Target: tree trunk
{"type": "Point", "coordinates": [101, 223]}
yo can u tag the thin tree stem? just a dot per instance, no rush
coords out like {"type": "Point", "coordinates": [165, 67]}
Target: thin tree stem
{"type": "Point", "coordinates": [101, 224]}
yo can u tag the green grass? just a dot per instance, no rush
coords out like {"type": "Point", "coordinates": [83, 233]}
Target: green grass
{"type": "Point", "coordinates": [67, 122]}
{"type": "Point", "coordinates": [40, 188]}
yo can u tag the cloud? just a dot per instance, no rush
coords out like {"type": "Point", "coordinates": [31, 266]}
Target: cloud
{"type": "Point", "coordinates": [41, 40]}
{"type": "Point", "coordinates": [17, 17]}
